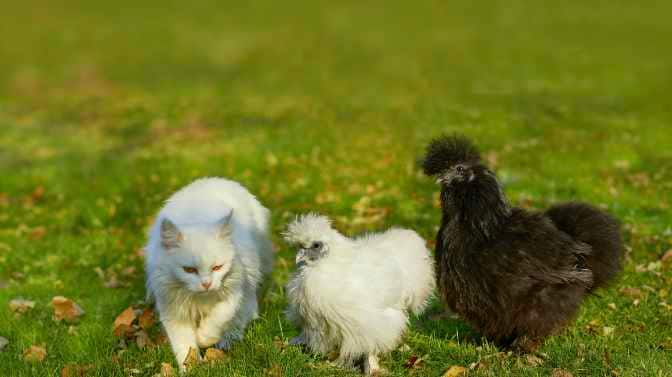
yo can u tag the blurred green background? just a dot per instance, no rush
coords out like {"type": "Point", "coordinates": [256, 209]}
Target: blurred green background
{"type": "Point", "coordinates": [108, 107]}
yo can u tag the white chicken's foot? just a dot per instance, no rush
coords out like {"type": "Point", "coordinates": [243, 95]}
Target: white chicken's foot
{"type": "Point", "coordinates": [371, 366]}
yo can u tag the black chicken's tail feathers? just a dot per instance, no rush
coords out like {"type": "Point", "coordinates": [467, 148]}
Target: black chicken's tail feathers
{"type": "Point", "coordinates": [446, 151]}
{"type": "Point", "coordinates": [598, 229]}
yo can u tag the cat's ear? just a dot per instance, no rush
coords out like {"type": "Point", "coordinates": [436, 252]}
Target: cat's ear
{"type": "Point", "coordinates": [170, 235]}
{"type": "Point", "coordinates": [224, 226]}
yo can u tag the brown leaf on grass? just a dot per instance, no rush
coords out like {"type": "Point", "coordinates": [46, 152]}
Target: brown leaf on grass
{"type": "Point", "coordinates": [214, 354]}
{"type": "Point", "coordinates": [146, 319]}
{"type": "Point", "coordinates": [192, 358]}
{"type": "Point", "coordinates": [66, 309]}
{"type": "Point", "coordinates": [74, 370]}
{"type": "Point", "coordinates": [123, 324]}
{"type": "Point", "coordinates": [21, 305]}
{"type": "Point", "coordinates": [38, 193]}
{"type": "Point", "coordinates": [4, 199]}
{"type": "Point", "coordinates": [632, 292]}
{"type": "Point", "coordinates": [37, 233]}
{"type": "Point", "coordinates": [533, 360]}
{"type": "Point", "coordinates": [34, 354]}
{"type": "Point", "coordinates": [479, 365]}
{"type": "Point", "coordinates": [3, 343]}
{"type": "Point", "coordinates": [455, 371]}
{"type": "Point", "coordinates": [557, 372]}
{"type": "Point", "coordinates": [167, 370]}
{"type": "Point", "coordinates": [414, 362]}
{"type": "Point", "coordinates": [667, 258]}
{"type": "Point", "coordinates": [274, 371]}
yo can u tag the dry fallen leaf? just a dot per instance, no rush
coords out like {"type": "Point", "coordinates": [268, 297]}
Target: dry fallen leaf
{"type": "Point", "coordinates": [74, 370]}
{"type": "Point", "coordinates": [274, 371]}
{"type": "Point", "coordinates": [34, 354]}
{"type": "Point", "coordinates": [146, 319]}
{"type": "Point", "coordinates": [415, 362]}
{"type": "Point", "coordinates": [455, 371]}
{"type": "Point", "coordinates": [123, 324]}
{"type": "Point", "coordinates": [667, 257]}
{"type": "Point", "coordinates": [66, 309]}
{"type": "Point", "coordinates": [214, 354]}
{"type": "Point", "coordinates": [631, 292]}
{"type": "Point", "coordinates": [479, 365]}
{"type": "Point", "coordinates": [3, 343]}
{"type": "Point", "coordinates": [191, 359]}
{"type": "Point", "coordinates": [557, 372]}
{"type": "Point", "coordinates": [38, 193]}
{"type": "Point", "coordinates": [534, 360]}
{"type": "Point", "coordinates": [37, 233]}
{"type": "Point", "coordinates": [20, 305]}
{"type": "Point", "coordinates": [167, 370]}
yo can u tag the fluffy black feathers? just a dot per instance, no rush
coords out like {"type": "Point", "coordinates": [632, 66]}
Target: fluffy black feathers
{"type": "Point", "coordinates": [516, 276]}
{"type": "Point", "coordinates": [444, 152]}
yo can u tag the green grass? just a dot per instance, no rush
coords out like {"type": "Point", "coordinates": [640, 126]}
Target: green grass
{"type": "Point", "coordinates": [110, 107]}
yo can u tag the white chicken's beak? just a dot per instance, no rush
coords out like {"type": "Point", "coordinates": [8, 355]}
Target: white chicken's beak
{"type": "Point", "coordinates": [301, 258]}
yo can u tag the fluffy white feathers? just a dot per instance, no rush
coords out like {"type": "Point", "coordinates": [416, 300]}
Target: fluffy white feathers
{"type": "Point", "coordinates": [207, 253]}
{"type": "Point", "coordinates": [354, 295]}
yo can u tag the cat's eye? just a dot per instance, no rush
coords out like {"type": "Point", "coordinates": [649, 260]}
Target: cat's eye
{"type": "Point", "coordinates": [190, 270]}
{"type": "Point", "coordinates": [217, 268]}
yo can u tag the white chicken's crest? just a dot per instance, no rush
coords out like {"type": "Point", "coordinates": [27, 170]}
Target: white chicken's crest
{"type": "Point", "coordinates": [307, 228]}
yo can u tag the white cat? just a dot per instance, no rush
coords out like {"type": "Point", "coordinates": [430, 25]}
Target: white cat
{"type": "Point", "coordinates": [208, 251]}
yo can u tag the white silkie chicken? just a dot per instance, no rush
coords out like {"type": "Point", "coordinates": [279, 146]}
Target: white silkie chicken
{"type": "Point", "coordinates": [353, 296]}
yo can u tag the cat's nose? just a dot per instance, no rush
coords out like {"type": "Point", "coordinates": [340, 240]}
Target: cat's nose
{"type": "Point", "coordinates": [206, 284]}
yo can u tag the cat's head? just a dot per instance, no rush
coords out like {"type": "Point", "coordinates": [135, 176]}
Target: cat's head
{"type": "Point", "coordinates": [199, 255]}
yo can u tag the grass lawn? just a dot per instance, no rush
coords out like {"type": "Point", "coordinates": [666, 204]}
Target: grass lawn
{"type": "Point", "coordinates": [106, 108]}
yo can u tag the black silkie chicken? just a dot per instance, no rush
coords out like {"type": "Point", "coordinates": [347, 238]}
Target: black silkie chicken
{"type": "Point", "coordinates": [516, 276]}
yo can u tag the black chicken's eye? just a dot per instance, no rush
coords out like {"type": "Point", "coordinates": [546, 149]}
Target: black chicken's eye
{"type": "Point", "coordinates": [316, 245]}
{"type": "Point", "coordinates": [459, 169]}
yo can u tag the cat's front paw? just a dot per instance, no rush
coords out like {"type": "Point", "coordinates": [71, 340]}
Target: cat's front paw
{"type": "Point", "coordinates": [206, 337]}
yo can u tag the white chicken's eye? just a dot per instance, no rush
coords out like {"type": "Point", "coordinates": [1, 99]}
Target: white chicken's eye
{"type": "Point", "coordinates": [316, 245]}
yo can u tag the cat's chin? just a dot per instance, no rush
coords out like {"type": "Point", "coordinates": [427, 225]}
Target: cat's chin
{"type": "Point", "coordinates": [204, 292]}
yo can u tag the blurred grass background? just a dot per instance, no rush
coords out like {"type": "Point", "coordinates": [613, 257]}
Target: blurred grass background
{"type": "Point", "coordinates": [108, 107]}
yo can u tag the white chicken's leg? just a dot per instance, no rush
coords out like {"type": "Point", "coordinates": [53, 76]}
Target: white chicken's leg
{"type": "Point", "coordinates": [371, 366]}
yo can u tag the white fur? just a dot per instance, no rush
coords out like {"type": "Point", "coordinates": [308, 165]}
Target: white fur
{"type": "Point", "coordinates": [356, 299]}
{"type": "Point", "coordinates": [192, 315]}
